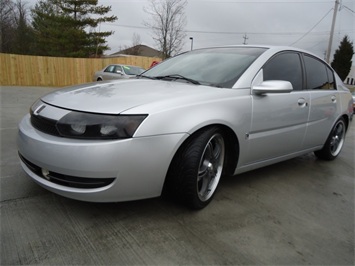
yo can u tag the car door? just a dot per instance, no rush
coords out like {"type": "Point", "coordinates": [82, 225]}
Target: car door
{"type": "Point", "coordinates": [324, 102]}
{"type": "Point", "coordinates": [109, 72]}
{"type": "Point", "coordinates": [279, 120]}
{"type": "Point", "coordinates": [118, 73]}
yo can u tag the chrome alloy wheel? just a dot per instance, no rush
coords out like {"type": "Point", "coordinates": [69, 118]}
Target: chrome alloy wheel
{"type": "Point", "coordinates": [211, 167]}
{"type": "Point", "coordinates": [337, 138]}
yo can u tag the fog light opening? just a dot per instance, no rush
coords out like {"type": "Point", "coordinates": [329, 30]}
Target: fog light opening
{"type": "Point", "coordinates": [45, 174]}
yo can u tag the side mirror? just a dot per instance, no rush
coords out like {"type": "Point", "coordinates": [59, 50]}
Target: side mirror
{"type": "Point", "coordinates": [119, 72]}
{"type": "Point", "coordinates": [272, 86]}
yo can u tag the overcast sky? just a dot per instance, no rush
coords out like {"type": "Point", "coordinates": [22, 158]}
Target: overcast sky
{"type": "Point", "coordinates": [302, 23]}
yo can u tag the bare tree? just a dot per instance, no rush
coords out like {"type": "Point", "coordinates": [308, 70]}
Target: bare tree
{"type": "Point", "coordinates": [136, 39]}
{"type": "Point", "coordinates": [23, 34]}
{"type": "Point", "coordinates": [135, 48]}
{"type": "Point", "coordinates": [167, 23]}
{"type": "Point", "coordinates": [136, 44]}
{"type": "Point", "coordinates": [7, 23]}
{"type": "Point", "coordinates": [15, 32]}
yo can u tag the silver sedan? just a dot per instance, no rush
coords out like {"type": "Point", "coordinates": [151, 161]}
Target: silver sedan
{"type": "Point", "coordinates": [117, 72]}
{"type": "Point", "coordinates": [182, 125]}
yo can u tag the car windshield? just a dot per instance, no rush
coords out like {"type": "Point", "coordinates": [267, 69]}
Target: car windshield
{"type": "Point", "coordinates": [219, 67]}
{"type": "Point", "coordinates": [131, 70]}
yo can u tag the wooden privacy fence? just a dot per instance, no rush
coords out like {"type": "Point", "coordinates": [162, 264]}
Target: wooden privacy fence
{"type": "Point", "coordinates": [24, 70]}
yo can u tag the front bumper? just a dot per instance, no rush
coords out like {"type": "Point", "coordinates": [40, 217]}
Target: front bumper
{"type": "Point", "coordinates": [132, 168]}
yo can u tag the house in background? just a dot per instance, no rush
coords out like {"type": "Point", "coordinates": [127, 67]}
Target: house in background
{"type": "Point", "coordinates": [139, 50]}
{"type": "Point", "coordinates": [350, 79]}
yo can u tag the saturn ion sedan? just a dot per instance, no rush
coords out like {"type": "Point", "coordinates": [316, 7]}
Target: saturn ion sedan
{"type": "Point", "coordinates": [177, 128]}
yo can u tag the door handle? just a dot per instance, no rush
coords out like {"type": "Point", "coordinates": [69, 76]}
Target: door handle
{"type": "Point", "coordinates": [334, 99]}
{"type": "Point", "coordinates": [302, 102]}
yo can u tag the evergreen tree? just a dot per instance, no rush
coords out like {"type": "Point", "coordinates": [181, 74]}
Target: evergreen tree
{"type": "Point", "coordinates": [342, 58]}
{"type": "Point", "coordinates": [66, 27]}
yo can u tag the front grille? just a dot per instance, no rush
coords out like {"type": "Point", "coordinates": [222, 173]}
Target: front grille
{"type": "Point", "coordinates": [66, 180]}
{"type": "Point", "coordinates": [44, 124]}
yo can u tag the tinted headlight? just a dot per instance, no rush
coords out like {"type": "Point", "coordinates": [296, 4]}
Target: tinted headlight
{"type": "Point", "coordinates": [97, 126]}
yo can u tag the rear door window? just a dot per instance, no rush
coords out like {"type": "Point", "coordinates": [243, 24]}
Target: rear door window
{"type": "Point", "coordinates": [319, 75]}
{"type": "Point", "coordinates": [110, 68]}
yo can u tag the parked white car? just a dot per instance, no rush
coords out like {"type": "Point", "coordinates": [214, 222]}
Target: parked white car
{"type": "Point", "coordinates": [185, 123]}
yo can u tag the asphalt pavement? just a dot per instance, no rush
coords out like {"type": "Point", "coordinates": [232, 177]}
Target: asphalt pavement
{"type": "Point", "coordinates": [298, 212]}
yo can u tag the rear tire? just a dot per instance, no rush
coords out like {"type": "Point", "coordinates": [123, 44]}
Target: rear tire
{"type": "Point", "coordinates": [197, 167]}
{"type": "Point", "coordinates": [334, 143]}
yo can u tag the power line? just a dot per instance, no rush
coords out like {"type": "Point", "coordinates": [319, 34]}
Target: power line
{"type": "Point", "coordinates": [348, 8]}
{"type": "Point", "coordinates": [252, 33]}
{"type": "Point", "coordinates": [304, 35]}
{"type": "Point", "coordinates": [223, 32]}
{"type": "Point", "coordinates": [125, 26]}
{"type": "Point", "coordinates": [266, 2]}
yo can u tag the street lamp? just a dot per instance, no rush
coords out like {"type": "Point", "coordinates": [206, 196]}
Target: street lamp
{"type": "Point", "coordinates": [192, 43]}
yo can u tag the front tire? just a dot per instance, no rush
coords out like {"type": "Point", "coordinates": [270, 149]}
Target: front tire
{"type": "Point", "coordinates": [334, 143]}
{"type": "Point", "coordinates": [197, 167]}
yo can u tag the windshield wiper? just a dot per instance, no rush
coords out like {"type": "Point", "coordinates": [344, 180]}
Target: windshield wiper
{"type": "Point", "coordinates": [144, 76]}
{"type": "Point", "coordinates": [178, 76]}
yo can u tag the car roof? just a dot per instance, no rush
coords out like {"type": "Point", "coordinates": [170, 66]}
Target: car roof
{"type": "Point", "coordinates": [123, 65]}
{"type": "Point", "coordinates": [271, 49]}
{"type": "Point", "coordinates": [274, 48]}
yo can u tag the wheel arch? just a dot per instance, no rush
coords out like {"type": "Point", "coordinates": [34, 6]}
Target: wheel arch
{"type": "Point", "coordinates": [173, 183]}
{"type": "Point", "coordinates": [232, 146]}
{"type": "Point", "coordinates": [335, 140]}
{"type": "Point", "coordinates": [232, 149]}
{"type": "Point", "coordinates": [346, 120]}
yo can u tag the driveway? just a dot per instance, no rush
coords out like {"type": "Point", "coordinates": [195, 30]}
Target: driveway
{"type": "Point", "coordinates": [297, 212]}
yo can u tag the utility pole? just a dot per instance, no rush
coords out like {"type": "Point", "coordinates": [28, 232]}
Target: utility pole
{"type": "Point", "coordinates": [332, 30]}
{"type": "Point", "coordinates": [245, 39]}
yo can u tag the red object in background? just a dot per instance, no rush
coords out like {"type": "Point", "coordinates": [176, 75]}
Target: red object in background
{"type": "Point", "coordinates": [154, 63]}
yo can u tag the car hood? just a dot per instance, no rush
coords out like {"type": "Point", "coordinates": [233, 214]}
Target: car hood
{"type": "Point", "coordinates": [120, 96]}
